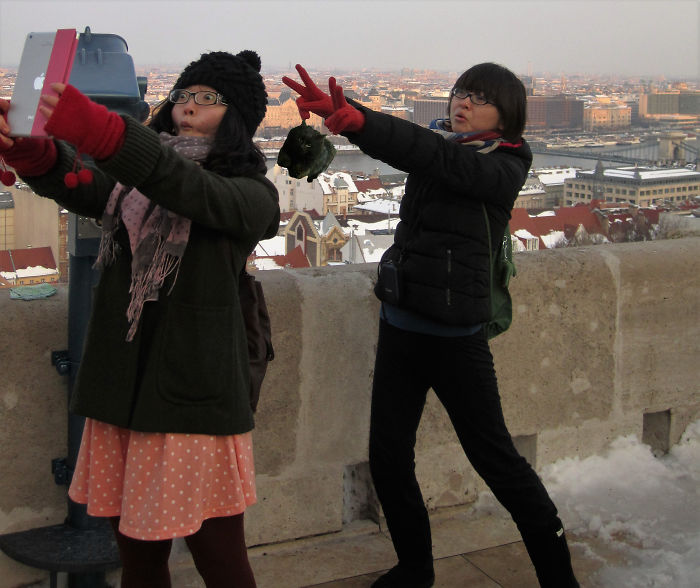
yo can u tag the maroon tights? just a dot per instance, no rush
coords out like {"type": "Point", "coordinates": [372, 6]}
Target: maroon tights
{"type": "Point", "coordinates": [218, 549]}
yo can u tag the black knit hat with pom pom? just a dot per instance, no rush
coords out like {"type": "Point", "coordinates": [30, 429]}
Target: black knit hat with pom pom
{"type": "Point", "coordinates": [236, 77]}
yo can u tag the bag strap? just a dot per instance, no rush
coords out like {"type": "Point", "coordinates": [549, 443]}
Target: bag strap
{"type": "Point", "coordinates": [490, 242]}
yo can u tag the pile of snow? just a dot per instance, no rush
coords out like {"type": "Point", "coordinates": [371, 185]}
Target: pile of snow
{"type": "Point", "coordinates": [645, 508]}
{"type": "Point", "coordinates": [653, 504]}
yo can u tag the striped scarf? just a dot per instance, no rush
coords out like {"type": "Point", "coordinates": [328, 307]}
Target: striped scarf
{"type": "Point", "coordinates": [157, 236]}
{"type": "Point", "coordinates": [483, 141]}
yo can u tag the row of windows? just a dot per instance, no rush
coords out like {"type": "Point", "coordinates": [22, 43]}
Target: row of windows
{"type": "Point", "coordinates": [608, 190]}
{"type": "Point", "coordinates": [583, 196]}
{"type": "Point", "coordinates": [637, 182]}
{"type": "Point", "coordinates": [343, 198]}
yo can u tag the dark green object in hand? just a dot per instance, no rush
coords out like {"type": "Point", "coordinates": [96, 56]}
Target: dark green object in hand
{"type": "Point", "coordinates": [306, 152]}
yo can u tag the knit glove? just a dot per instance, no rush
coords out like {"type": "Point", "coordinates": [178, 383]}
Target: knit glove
{"type": "Point", "coordinates": [345, 118]}
{"type": "Point", "coordinates": [311, 97]}
{"type": "Point", "coordinates": [89, 126]}
{"type": "Point", "coordinates": [28, 156]}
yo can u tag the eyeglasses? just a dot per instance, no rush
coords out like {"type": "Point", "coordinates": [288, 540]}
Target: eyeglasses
{"type": "Point", "coordinates": [203, 97]}
{"type": "Point", "coordinates": [474, 98]}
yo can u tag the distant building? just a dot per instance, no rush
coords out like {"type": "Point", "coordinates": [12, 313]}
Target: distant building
{"type": "Point", "coordinates": [295, 194]}
{"type": "Point", "coordinates": [589, 224]}
{"type": "Point", "coordinates": [26, 267]}
{"type": "Point", "coordinates": [677, 105]}
{"type": "Point", "coordinates": [7, 221]}
{"type": "Point", "coordinates": [402, 112]}
{"type": "Point", "coordinates": [532, 197]}
{"type": "Point", "coordinates": [428, 109]}
{"type": "Point", "coordinates": [640, 186]}
{"type": "Point", "coordinates": [683, 102]}
{"type": "Point", "coordinates": [321, 244]}
{"type": "Point", "coordinates": [281, 115]}
{"type": "Point", "coordinates": [554, 228]}
{"type": "Point", "coordinates": [552, 181]}
{"type": "Point", "coordinates": [554, 112]}
{"type": "Point", "coordinates": [28, 221]}
{"type": "Point", "coordinates": [607, 117]}
{"type": "Point", "coordinates": [339, 193]}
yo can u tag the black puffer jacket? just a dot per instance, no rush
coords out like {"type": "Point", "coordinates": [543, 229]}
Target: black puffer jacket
{"type": "Point", "coordinates": [441, 241]}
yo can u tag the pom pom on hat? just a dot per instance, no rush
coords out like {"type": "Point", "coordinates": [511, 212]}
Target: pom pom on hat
{"type": "Point", "coordinates": [236, 77]}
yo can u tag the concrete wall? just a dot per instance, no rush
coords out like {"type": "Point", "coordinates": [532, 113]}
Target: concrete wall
{"type": "Point", "coordinates": [601, 337]}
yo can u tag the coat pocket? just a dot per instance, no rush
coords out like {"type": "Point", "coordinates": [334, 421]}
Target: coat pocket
{"type": "Point", "coordinates": [196, 352]}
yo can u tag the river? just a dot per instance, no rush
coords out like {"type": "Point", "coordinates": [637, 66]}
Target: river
{"type": "Point", "coordinates": [356, 161]}
{"type": "Point", "coordinates": [359, 162]}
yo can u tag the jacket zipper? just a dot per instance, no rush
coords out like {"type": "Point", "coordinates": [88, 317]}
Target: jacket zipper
{"type": "Point", "coordinates": [449, 272]}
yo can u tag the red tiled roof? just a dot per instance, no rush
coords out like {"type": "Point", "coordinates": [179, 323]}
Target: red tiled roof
{"type": "Point", "coordinates": [565, 219]}
{"type": "Point", "coordinates": [294, 259]}
{"type": "Point", "coordinates": [14, 259]}
{"type": "Point", "coordinates": [286, 216]}
{"type": "Point", "coordinates": [370, 184]}
{"type": "Point", "coordinates": [6, 262]}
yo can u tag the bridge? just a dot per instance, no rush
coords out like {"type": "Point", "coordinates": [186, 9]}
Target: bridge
{"type": "Point", "coordinates": [664, 150]}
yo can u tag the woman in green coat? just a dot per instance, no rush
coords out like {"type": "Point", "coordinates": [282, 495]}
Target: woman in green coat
{"type": "Point", "coordinates": [163, 381]}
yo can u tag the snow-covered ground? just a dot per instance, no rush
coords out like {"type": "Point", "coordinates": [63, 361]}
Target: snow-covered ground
{"type": "Point", "coordinates": [645, 508]}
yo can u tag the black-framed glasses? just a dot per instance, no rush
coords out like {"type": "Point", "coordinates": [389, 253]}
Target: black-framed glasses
{"type": "Point", "coordinates": [203, 97]}
{"type": "Point", "coordinates": [474, 97]}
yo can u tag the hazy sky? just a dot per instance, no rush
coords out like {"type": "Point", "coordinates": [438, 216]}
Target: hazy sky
{"type": "Point", "coordinates": [636, 37]}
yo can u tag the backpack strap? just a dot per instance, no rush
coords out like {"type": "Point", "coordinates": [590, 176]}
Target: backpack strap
{"type": "Point", "coordinates": [501, 269]}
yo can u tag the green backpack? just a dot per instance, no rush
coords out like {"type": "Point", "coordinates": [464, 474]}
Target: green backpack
{"type": "Point", "coordinates": [502, 269]}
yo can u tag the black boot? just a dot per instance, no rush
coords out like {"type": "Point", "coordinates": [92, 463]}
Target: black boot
{"type": "Point", "coordinates": [398, 577]}
{"type": "Point", "coordinates": [550, 555]}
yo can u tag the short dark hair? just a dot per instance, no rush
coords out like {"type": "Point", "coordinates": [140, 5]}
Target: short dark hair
{"type": "Point", "coordinates": [233, 152]}
{"type": "Point", "coordinates": [502, 87]}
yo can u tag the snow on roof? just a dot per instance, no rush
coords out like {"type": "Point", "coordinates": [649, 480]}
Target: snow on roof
{"type": "Point", "coordinates": [531, 190]}
{"type": "Point", "coordinates": [370, 195]}
{"type": "Point", "coordinates": [33, 271]}
{"type": "Point", "coordinates": [524, 234]}
{"type": "Point", "coordinates": [374, 246]}
{"type": "Point", "coordinates": [646, 173]}
{"type": "Point", "coordinates": [266, 263]}
{"type": "Point", "coordinates": [361, 228]}
{"type": "Point", "coordinates": [366, 248]}
{"type": "Point", "coordinates": [273, 246]}
{"type": "Point", "coordinates": [328, 182]}
{"type": "Point", "coordinates": [553, 239]}
{"type": "Point", "coordinates": [382, 205]}
{"type": "Point", "coordinates": [554, 177]}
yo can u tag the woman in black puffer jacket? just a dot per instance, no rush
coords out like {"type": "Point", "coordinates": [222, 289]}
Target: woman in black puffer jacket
{"type": "Point", "coordinates": [434, 288]}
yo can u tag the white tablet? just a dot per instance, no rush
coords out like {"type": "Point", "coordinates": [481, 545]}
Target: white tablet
{"type": "Point", "coordinates": [46, 58]}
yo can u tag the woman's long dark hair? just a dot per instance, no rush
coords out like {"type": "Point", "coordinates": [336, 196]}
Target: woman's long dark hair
{"type": "Point", "coordinates": [233, 152]}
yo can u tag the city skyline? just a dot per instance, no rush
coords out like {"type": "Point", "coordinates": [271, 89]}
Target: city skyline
{"type": "Point", "coordinates": [599, 37]}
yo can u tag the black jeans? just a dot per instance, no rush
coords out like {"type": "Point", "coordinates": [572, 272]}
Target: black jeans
{"type": "Point", "coordinates": [460, 371]}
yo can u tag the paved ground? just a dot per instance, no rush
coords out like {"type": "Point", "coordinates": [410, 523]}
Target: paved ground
{"type": "Point", "coordinates": [484, 552]}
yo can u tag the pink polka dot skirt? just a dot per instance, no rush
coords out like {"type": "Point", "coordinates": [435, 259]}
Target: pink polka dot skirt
{"type": "Point", "coordinates": [162, 485]}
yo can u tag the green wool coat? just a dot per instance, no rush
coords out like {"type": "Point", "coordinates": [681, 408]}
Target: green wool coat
{"type": "Point", "coordinates": [186, 370]}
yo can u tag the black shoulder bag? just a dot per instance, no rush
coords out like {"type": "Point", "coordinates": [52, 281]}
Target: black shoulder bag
{"type": "Point", "coordinates": [258, 331]}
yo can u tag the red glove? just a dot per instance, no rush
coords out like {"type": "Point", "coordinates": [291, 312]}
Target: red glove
{"type": "Point", "coordinates": [345, 118]}
{"type": "Point", "coordinates": [29, 157]}
{"type": "Point", "coordinates": [311, 98]}
{"type": "Point", "coordinates": [89, 126]}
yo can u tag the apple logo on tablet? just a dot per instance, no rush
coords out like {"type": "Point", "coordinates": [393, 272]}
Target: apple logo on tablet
{"type": "Point", "coordinates": [39, 81]}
